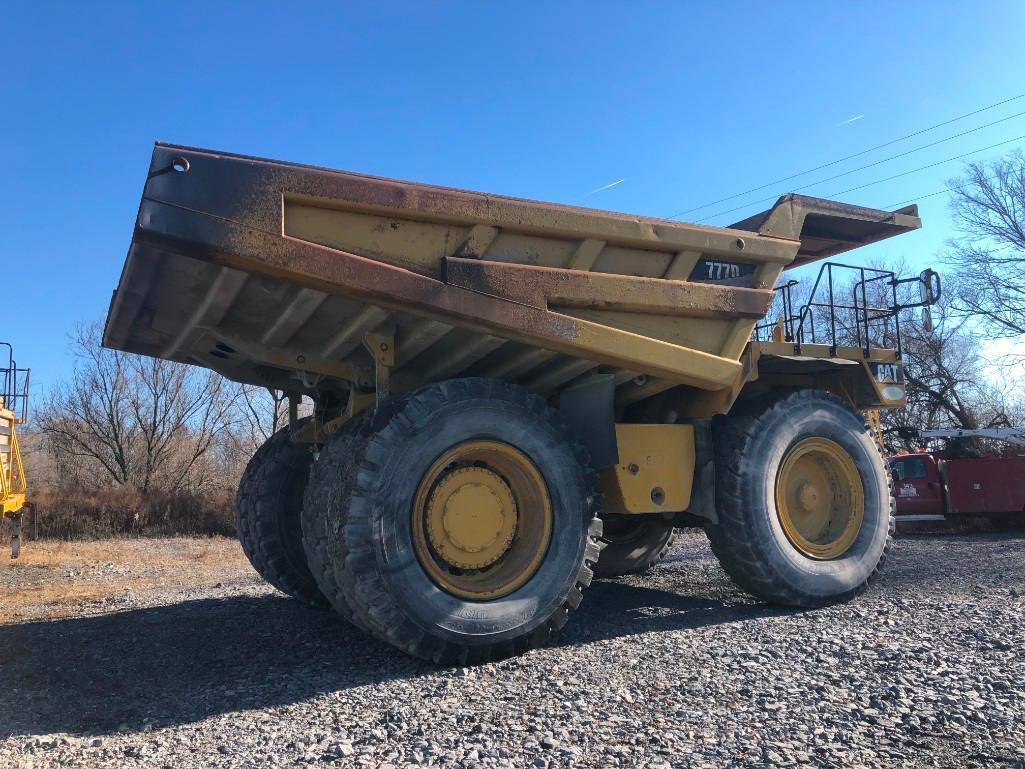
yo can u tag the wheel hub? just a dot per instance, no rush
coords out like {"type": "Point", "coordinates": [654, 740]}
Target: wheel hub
{"type": "Point", "coordinates": [481, 520]}
{"type": "Point", "coordinates": [471, 517]}
{"type": "Point", "coordinates": [808, 497]}
{"type": "Point", "coordinates": [820, 498]}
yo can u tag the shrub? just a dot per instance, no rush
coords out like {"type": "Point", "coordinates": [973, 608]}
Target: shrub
{"type": "Point", "coordinates": [79, 512]}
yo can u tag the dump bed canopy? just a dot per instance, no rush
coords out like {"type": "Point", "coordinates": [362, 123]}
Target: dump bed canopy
{"type": "Point", "coordinates": [826, 227]}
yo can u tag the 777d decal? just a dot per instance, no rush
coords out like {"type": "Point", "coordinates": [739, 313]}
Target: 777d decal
{"type": "Point", "coordinates": [709, 271]}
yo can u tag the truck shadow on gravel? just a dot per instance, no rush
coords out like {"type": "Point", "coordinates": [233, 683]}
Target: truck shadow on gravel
{"type": "Point", "coordinates": [180, 663]}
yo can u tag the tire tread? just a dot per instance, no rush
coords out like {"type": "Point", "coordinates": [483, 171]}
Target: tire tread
{"type": "Point", "coordinates": [269, 538]}
{"type": "Point", "coordinates": [358, 578]}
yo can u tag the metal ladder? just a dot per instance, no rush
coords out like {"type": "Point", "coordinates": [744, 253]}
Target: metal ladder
{"type": "Point", "coordinates": [875, 425]}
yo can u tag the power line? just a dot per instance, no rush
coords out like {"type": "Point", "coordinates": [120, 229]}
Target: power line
{"type": "Point", "coordinates": [866, 166]}
{"type": "Point", "coordinates": [914, 199]}
{"type": "Point", "coordinates": [923, 168]}
{"type": "Point", "coordinates": [850, 157]}
{"type": "Point", "coordinates": [870, 184]}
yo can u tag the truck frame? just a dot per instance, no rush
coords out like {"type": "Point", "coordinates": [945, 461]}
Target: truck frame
{"type": "Point", "coordinates": [510, 396]}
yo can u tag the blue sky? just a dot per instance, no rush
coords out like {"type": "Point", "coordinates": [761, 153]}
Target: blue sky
{"type": "Point", "coordinates": [687, 103]}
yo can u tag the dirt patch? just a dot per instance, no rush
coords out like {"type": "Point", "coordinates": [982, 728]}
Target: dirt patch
{"type": "Point", "coordinates": [55, 579]}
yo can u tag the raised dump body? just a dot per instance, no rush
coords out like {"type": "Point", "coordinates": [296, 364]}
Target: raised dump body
{"type": "Point", "coordinates": [271, 273]}
{"type": "Point", "coordinates": [483, 366]}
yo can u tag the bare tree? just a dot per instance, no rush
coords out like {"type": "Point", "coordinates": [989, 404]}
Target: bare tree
{"type": "Point", "coordinates": [988, 205]}
{"type": "Point", "coordinates": [263, 411]}
{"type": "Point", "coordinates": [126, 419]}
{"type": "Point", "coordinates": [945, 380]}
{"type": "Point", "coordinates": [258, 414]}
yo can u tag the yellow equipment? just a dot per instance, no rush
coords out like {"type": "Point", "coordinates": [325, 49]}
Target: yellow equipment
{"type": "Point", "coordinates": [511, 396]}
{"type": "Point", "coordinates": [13, 410]}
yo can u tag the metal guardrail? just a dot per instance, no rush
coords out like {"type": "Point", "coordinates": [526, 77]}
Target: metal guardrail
{"type": "Point", "coordinates": [829, 320]}
{"type": "Point", "coordinates": [14, 385]}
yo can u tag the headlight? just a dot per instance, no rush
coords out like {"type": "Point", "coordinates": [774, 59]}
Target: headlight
{"type": "Point", "coordinates": [893, 393]}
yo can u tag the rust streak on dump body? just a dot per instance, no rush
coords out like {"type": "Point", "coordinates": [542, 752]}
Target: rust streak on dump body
{"type": "Point", "coordinates": [253, 190]}
{"type": "Point", "coordinates": [545, 287]}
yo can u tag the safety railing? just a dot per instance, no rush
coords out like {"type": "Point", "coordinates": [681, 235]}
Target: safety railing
{"type": "Point", "coordinates": [869, 318]}
{"type": "Point", "coordinates": [14, 386]}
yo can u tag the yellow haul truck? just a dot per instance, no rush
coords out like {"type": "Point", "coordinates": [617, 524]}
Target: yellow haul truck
{"type": "Point", "coordinates": [511, 396]}
{"type": "Point", "coordinates": [13, 411]}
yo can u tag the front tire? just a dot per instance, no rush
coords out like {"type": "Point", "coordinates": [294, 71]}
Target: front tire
{"type": "Point", "coordinates": [468, 526]}
{"type": "Point", "coordinates": [803, 500]}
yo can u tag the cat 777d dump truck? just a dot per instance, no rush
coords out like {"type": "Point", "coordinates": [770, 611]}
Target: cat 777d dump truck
{"type": "Point", "coordinates": [511, 395]}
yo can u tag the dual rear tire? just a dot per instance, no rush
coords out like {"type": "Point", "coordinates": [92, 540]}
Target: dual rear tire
{"type": "Point", "coordinates": [460, 521]}
{"type": "Point", "coordinates": [268, 510]}
{"type": "Point", "coordinates": [634, 544]}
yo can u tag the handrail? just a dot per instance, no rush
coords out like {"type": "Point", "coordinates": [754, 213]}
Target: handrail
{"type": "Point", "coordinates": [15, 386]}
{"type": "Point", "coordinates": [799, 325]}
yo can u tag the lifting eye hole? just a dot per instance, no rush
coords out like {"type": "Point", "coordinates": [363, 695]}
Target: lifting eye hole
{"type": "Point", "coordinates": [180, 165]}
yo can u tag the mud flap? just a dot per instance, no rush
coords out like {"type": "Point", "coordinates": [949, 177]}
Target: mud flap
{"type": "Point", "coordinates": [588, 408]}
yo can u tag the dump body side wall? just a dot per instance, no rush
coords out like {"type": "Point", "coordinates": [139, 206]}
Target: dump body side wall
{"type": "Point", "coordinates": [268, 272]}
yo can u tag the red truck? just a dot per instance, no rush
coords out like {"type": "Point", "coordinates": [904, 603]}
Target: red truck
{"type": "Point", "coordinates": [940, 484]}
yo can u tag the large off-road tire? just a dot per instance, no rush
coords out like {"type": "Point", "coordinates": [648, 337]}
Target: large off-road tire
{"type": "Point", "coordinates": [468, 525]}
{"type": "Point", "coordinates": [268, 509]}
{"type": "Point", "coordinates": [633, 544]}
{"type": "Point", "coordinates": [792, 474]}
{"type": "Point", "coordinates": [324, 509]}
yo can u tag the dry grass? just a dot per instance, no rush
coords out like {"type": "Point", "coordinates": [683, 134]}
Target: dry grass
{"type": "Point", "coordinates": [78, 512]}
{"type": "Point", "coordinates": [55, 579]}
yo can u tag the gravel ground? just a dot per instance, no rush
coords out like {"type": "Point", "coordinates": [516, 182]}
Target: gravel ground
{"type": "Point", "coordinates": [211, 668]}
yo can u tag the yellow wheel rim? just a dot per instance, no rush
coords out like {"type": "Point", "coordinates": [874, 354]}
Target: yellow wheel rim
{"type": "Point", "coordinates": [820, 499]}
{"type": "Point", "coordinates": [482, 520]}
